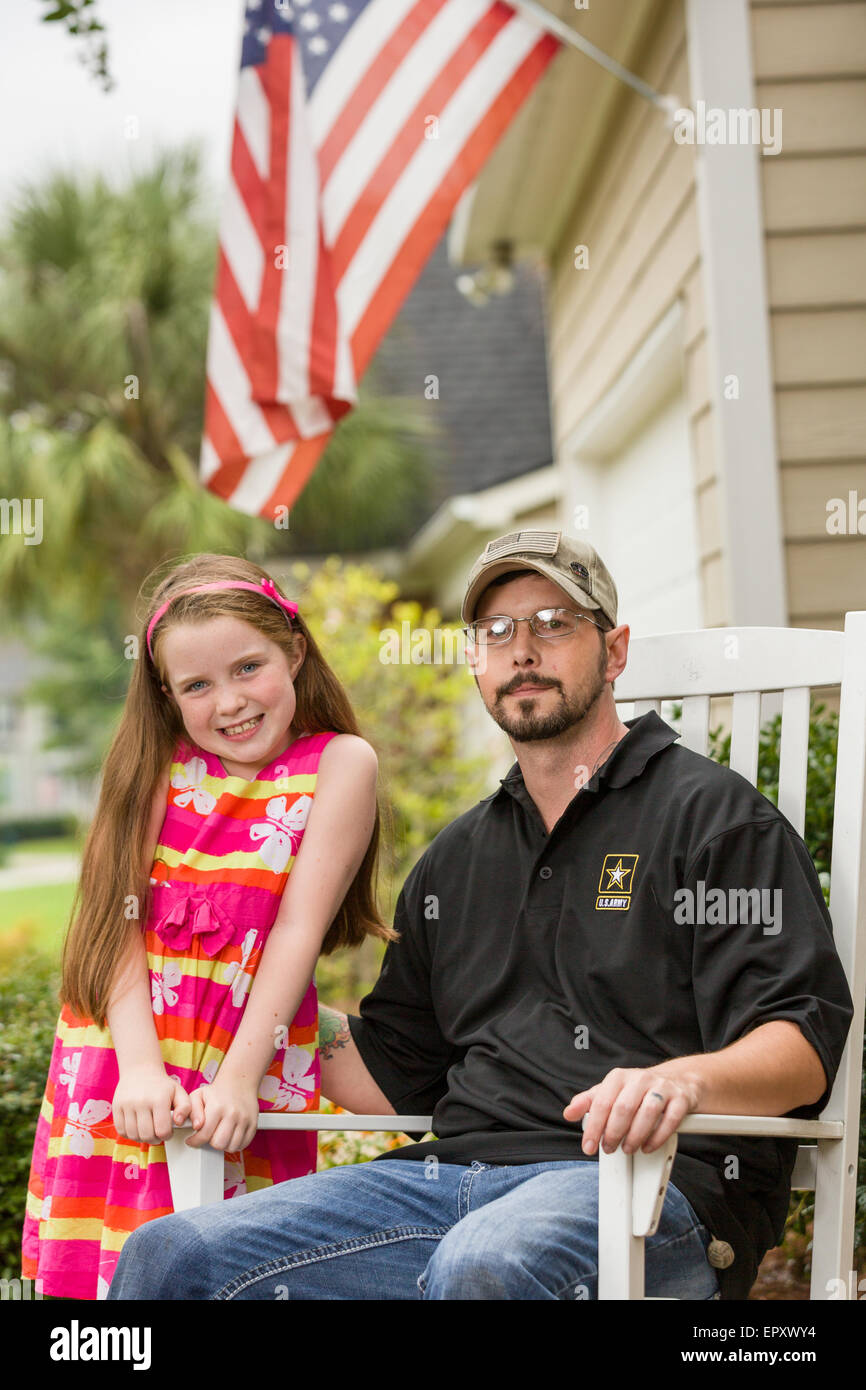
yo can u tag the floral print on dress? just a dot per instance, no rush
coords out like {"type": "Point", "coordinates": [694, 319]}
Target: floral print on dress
{"type": "Point", "coordinates": [69, 1071]}
{"type": "Point", "coordinates": [236, 973]}
{"type": "Point", "coordinates": [162, 986]}
{"type": "Point", "coordinates": [235, 1178]}
{"type": "Point", "coordinates": [287, 1093]}
{"type": "Point", "coordinates": [80, 1123]}
{"type": "Point", "coordinates": [188, 782]}
{"type": "Point", "coordinates": [282, 830]}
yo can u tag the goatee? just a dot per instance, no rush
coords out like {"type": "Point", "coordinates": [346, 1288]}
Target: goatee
{"type": "Point", "coordinates": [528, 726]}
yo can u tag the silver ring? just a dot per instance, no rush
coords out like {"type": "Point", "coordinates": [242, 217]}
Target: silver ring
{"type": "Point", "coordinates": [655, 1095]}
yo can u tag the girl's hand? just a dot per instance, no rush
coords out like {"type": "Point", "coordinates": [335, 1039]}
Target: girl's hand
{"type": "Point", "coordinates": [147, 1103]}
{"type": "Point", "coordinates": [224, 1114]}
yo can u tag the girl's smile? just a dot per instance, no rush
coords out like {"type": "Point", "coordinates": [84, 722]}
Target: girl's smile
{"type": "Point", "coordinates": [236, 732]}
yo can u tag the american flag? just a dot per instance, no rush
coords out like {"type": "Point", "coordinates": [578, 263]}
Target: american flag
{"type": "Point", "coordinates": [359, 124]}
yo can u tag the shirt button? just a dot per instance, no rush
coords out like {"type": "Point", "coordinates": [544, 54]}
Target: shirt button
{"type": "Point", "coordinates": [546, 872]}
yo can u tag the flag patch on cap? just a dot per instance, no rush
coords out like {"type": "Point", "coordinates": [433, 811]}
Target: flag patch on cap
{"type": "Point", "coordinates": [525, 542]}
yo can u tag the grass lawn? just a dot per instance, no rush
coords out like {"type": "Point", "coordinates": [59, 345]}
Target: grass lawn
{"type": "Point", "coordinates": [35, 916]}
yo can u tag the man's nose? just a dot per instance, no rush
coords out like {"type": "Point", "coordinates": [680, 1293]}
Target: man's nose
{"type": "Point", "coordinates": [524, 645]}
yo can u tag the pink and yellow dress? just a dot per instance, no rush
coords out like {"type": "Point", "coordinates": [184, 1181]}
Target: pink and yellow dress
{"type": "Point", "coordinates": [225, 850]}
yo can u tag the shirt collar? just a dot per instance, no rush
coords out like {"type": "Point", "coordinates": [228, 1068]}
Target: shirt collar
{"type": "Point", "coordinates": [647, 735]}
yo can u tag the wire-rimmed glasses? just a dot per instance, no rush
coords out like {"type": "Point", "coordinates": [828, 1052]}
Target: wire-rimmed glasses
{"type": "Point", "coordinates": [549, 623]}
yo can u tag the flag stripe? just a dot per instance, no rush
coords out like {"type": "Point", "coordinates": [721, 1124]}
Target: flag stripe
{"type": "Point", "coordinates": [242, 247]}
{"type": "Point", "coordinates": [294, 475]}
{"type": "Point", "coordinates": [301, 289]}
{"type": "Point", "coordinates": [277, 88]}
{"type": "Point", "coordinates": [253, 120]}
{"type": "Point", "coordinates": [249, 186]}
{"type": "Point", "coordinates": [261, 478]}
{"type": "Point", "coordinates": [230, 381]}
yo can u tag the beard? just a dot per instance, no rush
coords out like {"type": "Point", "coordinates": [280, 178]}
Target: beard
{"type": "Point", "coordinates": [528, 726]}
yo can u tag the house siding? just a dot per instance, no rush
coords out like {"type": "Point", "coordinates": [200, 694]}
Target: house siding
{"type": "Point", "coordinates": [810, 61]}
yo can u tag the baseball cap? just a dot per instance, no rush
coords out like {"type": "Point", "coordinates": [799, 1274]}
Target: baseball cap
{"type": "Point", "coordinates": [573, 564]}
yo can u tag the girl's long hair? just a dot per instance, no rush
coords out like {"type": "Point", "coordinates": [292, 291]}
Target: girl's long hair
{"type": "Point", "coordinates": [113, 895]}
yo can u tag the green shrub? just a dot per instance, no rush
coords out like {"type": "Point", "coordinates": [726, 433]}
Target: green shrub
{"type": "Point", "coordinates": [15, 829]}
{"type": "Point", "coordinates": [28, 1019]}
{"type": "Point", "coordinates": [818, 835]}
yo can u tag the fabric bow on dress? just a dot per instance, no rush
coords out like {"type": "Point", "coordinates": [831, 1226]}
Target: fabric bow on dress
{"type": "Point", "coordinates": [193, 915]}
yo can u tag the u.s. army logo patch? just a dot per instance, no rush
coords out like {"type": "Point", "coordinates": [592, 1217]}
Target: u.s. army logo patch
{"type": "Point", "coordinates": [616, 882]}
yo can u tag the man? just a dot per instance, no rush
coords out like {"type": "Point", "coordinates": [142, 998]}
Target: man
{"type": "Point", "coordinates": [574, 948]}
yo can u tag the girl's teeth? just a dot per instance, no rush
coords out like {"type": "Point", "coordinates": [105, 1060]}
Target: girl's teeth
{"type": "Point", "coordinates": [241, 728]}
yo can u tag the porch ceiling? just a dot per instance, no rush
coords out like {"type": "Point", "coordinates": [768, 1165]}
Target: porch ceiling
{"type": "Point", "coordinates": [529, 185]}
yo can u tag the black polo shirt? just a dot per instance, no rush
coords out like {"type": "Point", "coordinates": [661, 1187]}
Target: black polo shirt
{"type": "Point", "coordinates": [531, 964]}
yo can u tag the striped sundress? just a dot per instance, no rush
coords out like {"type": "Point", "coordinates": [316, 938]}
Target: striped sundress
{"type": "Point", "coordinates": [225, 850]}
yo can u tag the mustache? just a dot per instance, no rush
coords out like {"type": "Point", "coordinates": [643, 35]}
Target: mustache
{"type": "Point", "coordinates": [518, 681]}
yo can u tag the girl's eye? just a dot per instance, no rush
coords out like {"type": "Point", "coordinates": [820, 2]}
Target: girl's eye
{"type": "Point", "coordinates": [193, 684]}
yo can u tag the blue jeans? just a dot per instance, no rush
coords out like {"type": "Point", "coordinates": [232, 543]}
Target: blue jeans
{"type": "Point", "coordinates": [407, 1229]}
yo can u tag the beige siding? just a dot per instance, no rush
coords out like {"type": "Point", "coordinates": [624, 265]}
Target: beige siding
{"type": "Point", "coordinates": [819, 346]}
{"type": "Point", "coordinates": [810, 61]}
{"type": "Point", "coordinates": [637, 216]}
{"type": "Point", "coordinates": [807, 493]}
{"type": "Point", "coordinates": [808, 41]}
{"type": "Point", "coordinates": [825, 194]}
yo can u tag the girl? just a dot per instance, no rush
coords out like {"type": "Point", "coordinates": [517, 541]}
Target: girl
{"type": "Point", "coordinates": [235, 840]}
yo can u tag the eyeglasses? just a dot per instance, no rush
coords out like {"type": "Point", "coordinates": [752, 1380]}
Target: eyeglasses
{"type": "Point", "coordinates": [547, 622]}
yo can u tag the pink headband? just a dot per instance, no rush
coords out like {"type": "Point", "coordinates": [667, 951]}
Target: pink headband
{"type": "Point", "coordinates": [265, 586]}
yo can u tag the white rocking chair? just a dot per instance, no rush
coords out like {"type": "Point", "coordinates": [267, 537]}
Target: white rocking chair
{"type": "Point", "coordinates": [694, 666]}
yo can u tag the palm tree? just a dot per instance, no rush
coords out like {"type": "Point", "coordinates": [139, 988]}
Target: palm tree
{"type": "Point", "coordinates": [103, 312]}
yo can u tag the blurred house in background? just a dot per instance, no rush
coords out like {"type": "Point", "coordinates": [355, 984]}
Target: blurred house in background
{"type": "Point", "coordinates": [34, 782]}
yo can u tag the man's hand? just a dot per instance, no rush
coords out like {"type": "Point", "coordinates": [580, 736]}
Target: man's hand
{"type": "Point", "coordinates": [639, 1105]}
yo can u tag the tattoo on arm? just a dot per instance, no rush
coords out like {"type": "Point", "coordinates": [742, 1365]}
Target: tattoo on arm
{"type": "Point", "coordinates": [333, 1031]}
